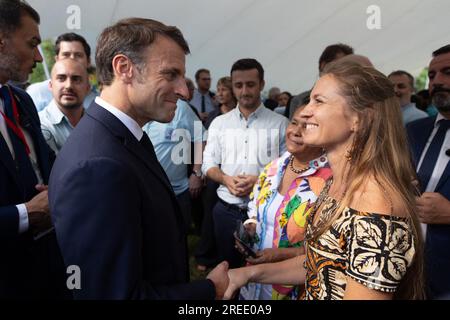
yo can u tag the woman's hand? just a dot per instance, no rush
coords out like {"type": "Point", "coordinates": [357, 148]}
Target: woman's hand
{"type": "Point", "coordinates": [264, 256]}
{"type": "Point", "coordinates": [238, 278]}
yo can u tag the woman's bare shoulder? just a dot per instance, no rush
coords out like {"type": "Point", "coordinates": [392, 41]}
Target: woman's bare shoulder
{"type": "Point", "coordinates": [374, 198]}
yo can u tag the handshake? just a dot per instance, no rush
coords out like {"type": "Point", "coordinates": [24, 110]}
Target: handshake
{"type": "Point", "coordinates": [227, 281]}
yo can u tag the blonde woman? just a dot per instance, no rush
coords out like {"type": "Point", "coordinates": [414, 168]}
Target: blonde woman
{"type": "Point", "coordinates": [363, 238]}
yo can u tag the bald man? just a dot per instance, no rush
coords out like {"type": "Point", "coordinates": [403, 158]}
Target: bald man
{"type": "Point", "coordinates": [357, 58]}
{"type": "Point", "coordinates": [69, 85]}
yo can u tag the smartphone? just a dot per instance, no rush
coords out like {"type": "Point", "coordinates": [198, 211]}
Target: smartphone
{"type": "Point", "coordinates": [248, 250]}
{"type": "Point", "coordinates": [242, 236]}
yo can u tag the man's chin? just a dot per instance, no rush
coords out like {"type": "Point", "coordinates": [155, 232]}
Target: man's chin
{"type": "Point", "coordinates": [441, 101]}
{"type": "Point", "coordinates": [70, 106]}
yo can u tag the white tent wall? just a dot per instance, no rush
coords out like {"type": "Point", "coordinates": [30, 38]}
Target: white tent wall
{"type": "Point", "coordinates": [286, 36]}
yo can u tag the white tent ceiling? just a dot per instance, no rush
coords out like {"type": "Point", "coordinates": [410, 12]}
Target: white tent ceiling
{"type": "Point", "coordinates": [286, 36]}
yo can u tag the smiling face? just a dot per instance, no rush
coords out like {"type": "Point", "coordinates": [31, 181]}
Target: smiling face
{"type": "Point", "coordinates": [294, 139]}
{"type": "Point", "coordinates": [19, 51]}
{"type": "Point", "coordinates": [403, 88]}
{"type": "Point", "coordinates": [329, 120]}
{"type": "Point", "coordinates": [155, 90]}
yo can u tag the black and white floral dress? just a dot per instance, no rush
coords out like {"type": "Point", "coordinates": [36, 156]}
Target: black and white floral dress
{"type": "Point", "coordinates": [373, 249]}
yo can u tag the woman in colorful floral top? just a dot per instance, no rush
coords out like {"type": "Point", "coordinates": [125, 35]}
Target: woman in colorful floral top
{"type": "Point", "coordinates": [280, 203]}
{"type": "Point", "coordinates": [363, 238]}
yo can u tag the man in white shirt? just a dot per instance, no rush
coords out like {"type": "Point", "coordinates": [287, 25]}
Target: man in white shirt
{"type": "Point", "coordinates": [69, 86]}
{"type": "Point", "coordinates": [240, 144]}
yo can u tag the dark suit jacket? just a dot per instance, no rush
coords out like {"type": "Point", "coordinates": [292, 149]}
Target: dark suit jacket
{"type": "Point", "coordinates": [437, 247]}
{"type": "Point", "coordinates": [117, 218]}
{"type": "Point", "coordinates": [23, 261]}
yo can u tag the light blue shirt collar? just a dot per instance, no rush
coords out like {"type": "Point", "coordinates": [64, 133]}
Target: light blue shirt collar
{"type": "Point", "coordinates": [55, 115]}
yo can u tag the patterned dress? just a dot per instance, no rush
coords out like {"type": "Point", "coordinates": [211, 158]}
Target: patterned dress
{"type": "Point", "coordinates": [373, 249]}
{"type": "Point", "coordinates": [290, 217]}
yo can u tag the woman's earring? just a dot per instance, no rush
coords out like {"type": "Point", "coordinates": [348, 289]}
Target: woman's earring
{"type": "Point", "coordinates": [349, 153]}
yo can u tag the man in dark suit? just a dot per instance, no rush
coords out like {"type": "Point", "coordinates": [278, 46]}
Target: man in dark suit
{"type": "Point", "coordinates": [25, 162]}
{"type": "Point", "coordinates": [115, 213]}
{"type": "Point", "coordinates": [430, 144]}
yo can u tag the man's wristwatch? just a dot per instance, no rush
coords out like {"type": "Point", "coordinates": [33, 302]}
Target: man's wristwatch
{"type": "Point", "coordinates": [196, 173]}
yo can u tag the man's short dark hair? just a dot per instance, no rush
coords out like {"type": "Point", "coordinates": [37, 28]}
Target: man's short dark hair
{"type": "Point", "coordinates": [329, 54]}
{"type": "Point", "coordinates": [199, 72]}
{"type": "Point", "coordinates": [131, 37]}
{"type": "Point", "coordinates": [71, 37]}
{"type": "Point", "coordinates": [403, 73]}
{"type": "Point", "coordinates": [11, 12]}
{"type": "Point", "coordinates": [442, 50]}
{"type": "Point", "coordinates": [248, 64]}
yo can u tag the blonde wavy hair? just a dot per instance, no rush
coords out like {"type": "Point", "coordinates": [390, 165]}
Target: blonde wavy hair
{"type": "Point", "coordinates": [380, 150]}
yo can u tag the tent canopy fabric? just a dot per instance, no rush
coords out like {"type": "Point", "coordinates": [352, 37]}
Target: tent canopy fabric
{"type": "Point", "coordinates": [286, 36]}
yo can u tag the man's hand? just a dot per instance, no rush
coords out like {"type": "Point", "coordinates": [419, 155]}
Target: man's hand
{"type": "Point", "coordinates": [219, 276]}
{"type": "Point", "coordinates": [40, 202]}
{"type": "Point", "coordinates": [195, 186]}
{"type": "Point", "coordinates": [433, 208]}
{"type": "Point", "coordinates": [231, 183]}
{"type": "Point", "coordinates": [38, 211]}
{"type": "Point", "coordinates": [245, 184]}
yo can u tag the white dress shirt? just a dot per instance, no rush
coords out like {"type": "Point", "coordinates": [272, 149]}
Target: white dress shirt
{"type": "Point", "coordinates": [442, 160]}
{"type": "Point", "coordinates": [240, 146]}
{"type": "Point", "coordinates": [128, 122]}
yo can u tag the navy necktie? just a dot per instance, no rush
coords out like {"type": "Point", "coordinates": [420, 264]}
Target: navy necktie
{"type": "Point", "coordinates": [431, 157]}
{"type": "Point", "coordinates": [203, 104]}
{"type": "Point", "coordinates": [27, 176]}
{"type": "Point", "coordinates": [148, 146]}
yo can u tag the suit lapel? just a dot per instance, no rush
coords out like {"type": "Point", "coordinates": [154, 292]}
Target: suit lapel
{"type": "Point", "coordinates": [149, 160]}
{"type": "Point", "coordinates": [30, 124]}
{"type": "Point", "coordinates": [444, 177]}
{"type": "Point", "coordinates": [421, 138]}
{"type": "Point", "coordinates": [7, 159]}
{"type": "Point", "coordinates": [118, 129]}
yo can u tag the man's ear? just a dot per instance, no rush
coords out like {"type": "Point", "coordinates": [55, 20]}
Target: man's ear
{"type": "Point", "coordinates": [50, 85]}
{"type": "Point", "coordinates": [123, 68]}
{"type": "Point", "coordinates": [263, 83]}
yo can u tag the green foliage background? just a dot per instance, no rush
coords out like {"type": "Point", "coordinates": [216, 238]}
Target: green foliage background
{"type": "Point", "coordinates": [48, 49]}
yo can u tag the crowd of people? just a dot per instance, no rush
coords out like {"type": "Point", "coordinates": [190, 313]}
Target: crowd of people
{"type": "Point", "coordinates": [338, 192]}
